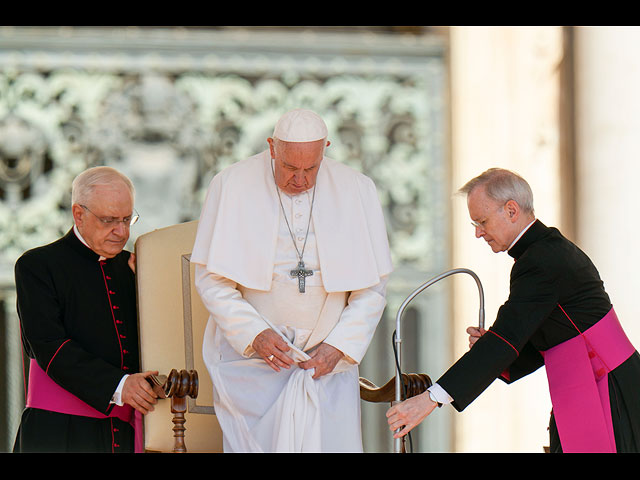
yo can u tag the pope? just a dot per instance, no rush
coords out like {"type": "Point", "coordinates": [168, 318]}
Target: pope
{"type": "Point", "coordinates": [292, 261]}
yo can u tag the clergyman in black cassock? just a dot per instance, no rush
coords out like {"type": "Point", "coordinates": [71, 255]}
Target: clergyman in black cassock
{"type": "Point", "coordinates": [548, 272]}
{"type": "Point", "coordinates": [77, 311]}
{"type": "Point", "coordinates": [64, 298]}
{"type": "Point", "coordinates": [556, 295]}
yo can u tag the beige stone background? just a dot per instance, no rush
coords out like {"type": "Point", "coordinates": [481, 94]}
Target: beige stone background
{"type": "Point", "coordinates": [561, 107]}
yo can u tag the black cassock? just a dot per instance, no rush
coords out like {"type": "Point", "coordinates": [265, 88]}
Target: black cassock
{"type": "Point", "coordinates": [78, 320]}
{"type": "Point", "coordinates": [549, 271]}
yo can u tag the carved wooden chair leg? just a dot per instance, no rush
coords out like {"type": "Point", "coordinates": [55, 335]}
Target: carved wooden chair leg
{"type": "Point", "coordinates": [178, 386]}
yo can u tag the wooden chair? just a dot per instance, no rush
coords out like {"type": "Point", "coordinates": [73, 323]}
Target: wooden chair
{"type": "Point", "coordinates": [414, 384]}
{"type": "Point", "coordinates": [172, 320]}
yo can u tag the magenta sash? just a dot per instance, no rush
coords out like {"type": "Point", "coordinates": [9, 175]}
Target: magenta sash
{"type": "Point", "coordinates": [577, 372]}
{"type": "Point", "coordinates": [45, 394]}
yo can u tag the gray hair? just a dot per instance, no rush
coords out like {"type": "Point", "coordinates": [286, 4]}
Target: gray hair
{"type": "Point", "coordinates": [503, 185]}
{"type": "Point", "coordinates": [83, 185]}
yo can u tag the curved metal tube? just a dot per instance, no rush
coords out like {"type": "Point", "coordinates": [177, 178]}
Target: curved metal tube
{"type": "Point", "coordinates": [398, 337]}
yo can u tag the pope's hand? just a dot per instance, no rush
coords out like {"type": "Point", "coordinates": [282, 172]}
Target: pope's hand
{"type": "Point", "coordinates": [408, 414]}
{"type": "Point", "coordinates": [138, 392]}
{"type": "Point", "coordinates": [474, 334]}
{"type": "Point", "coordinates": [324, 358]}
{"type": "Point", "coordinates": [272, 348]}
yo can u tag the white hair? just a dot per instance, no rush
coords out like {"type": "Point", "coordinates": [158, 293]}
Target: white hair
{"type": "Point", "coordinates": [503, 185]}
{"type": "Point", "coordinates": [84, 184]}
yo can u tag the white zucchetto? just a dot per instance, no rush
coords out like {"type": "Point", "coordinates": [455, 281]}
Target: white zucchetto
{"type": "Point", "coordinates": [300, 125]}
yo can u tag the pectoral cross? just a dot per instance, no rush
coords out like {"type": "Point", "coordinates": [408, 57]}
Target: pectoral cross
{"type": "Point", "coordinates": [301, 273]}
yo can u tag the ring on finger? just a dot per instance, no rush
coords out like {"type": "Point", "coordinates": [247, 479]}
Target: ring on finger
{"type": "Point", "coordinates": [270, 357]}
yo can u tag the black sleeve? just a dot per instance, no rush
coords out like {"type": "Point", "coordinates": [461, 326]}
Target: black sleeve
{"type": "Point", "coordinates": [533, 296]}
{"type": "Point", "coordinates": [528, 361]}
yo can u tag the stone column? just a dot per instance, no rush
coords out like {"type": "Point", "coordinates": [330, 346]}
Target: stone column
{"type": "Point", "coordinates": [505, 113]}
{"type": "Point", "coordinates": [607, 71]}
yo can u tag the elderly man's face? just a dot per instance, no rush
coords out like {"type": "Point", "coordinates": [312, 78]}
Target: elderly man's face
{"type": "Point", "coordinates": [103, 220]}
{"type": "Point", "coordinates": [491, 219]}
{"type": "Point", "coordinates": [296, 164]}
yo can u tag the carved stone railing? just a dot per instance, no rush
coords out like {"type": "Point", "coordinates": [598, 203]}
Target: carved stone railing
{"type": "Point", "coordinates": [186, 103]}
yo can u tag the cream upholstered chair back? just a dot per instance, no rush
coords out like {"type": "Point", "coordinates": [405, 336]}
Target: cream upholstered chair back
{"type": "Point", "coordinates": [172, 320]}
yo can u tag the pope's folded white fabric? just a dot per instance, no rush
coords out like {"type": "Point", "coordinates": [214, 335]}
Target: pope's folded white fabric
{"type": "Point", "coordinates": [298, 415]}
{"type": "Point", "coordinates": [286, 411]}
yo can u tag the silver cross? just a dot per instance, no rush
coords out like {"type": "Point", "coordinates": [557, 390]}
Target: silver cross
{"type": "Point", "coordinates": [301, 273]}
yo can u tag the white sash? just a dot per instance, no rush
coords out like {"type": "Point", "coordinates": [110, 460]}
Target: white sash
{"type": "Point", "coordinates": [314, 311]}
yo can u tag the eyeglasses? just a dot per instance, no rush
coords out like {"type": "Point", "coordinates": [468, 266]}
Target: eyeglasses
{"type": "Point", "coordinates": [113, 221]}
{"type": "Point", "coordinates": [481, 224]}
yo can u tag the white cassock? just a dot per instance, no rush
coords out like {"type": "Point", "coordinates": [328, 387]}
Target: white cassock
{"type": "Point", "coordinates": [243, 254]}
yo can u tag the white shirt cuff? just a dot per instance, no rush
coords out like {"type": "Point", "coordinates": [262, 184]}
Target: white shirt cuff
{"type": "Point", "coordinates": [439, 395]}
{"type": "Point", "coordinates": [117, 395]}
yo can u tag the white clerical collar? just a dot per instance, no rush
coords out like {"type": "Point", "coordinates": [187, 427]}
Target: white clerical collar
{"type": "Point", "coordinates": [520, 235]}
{"type": "Point", "coordinates": [77, 232]}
